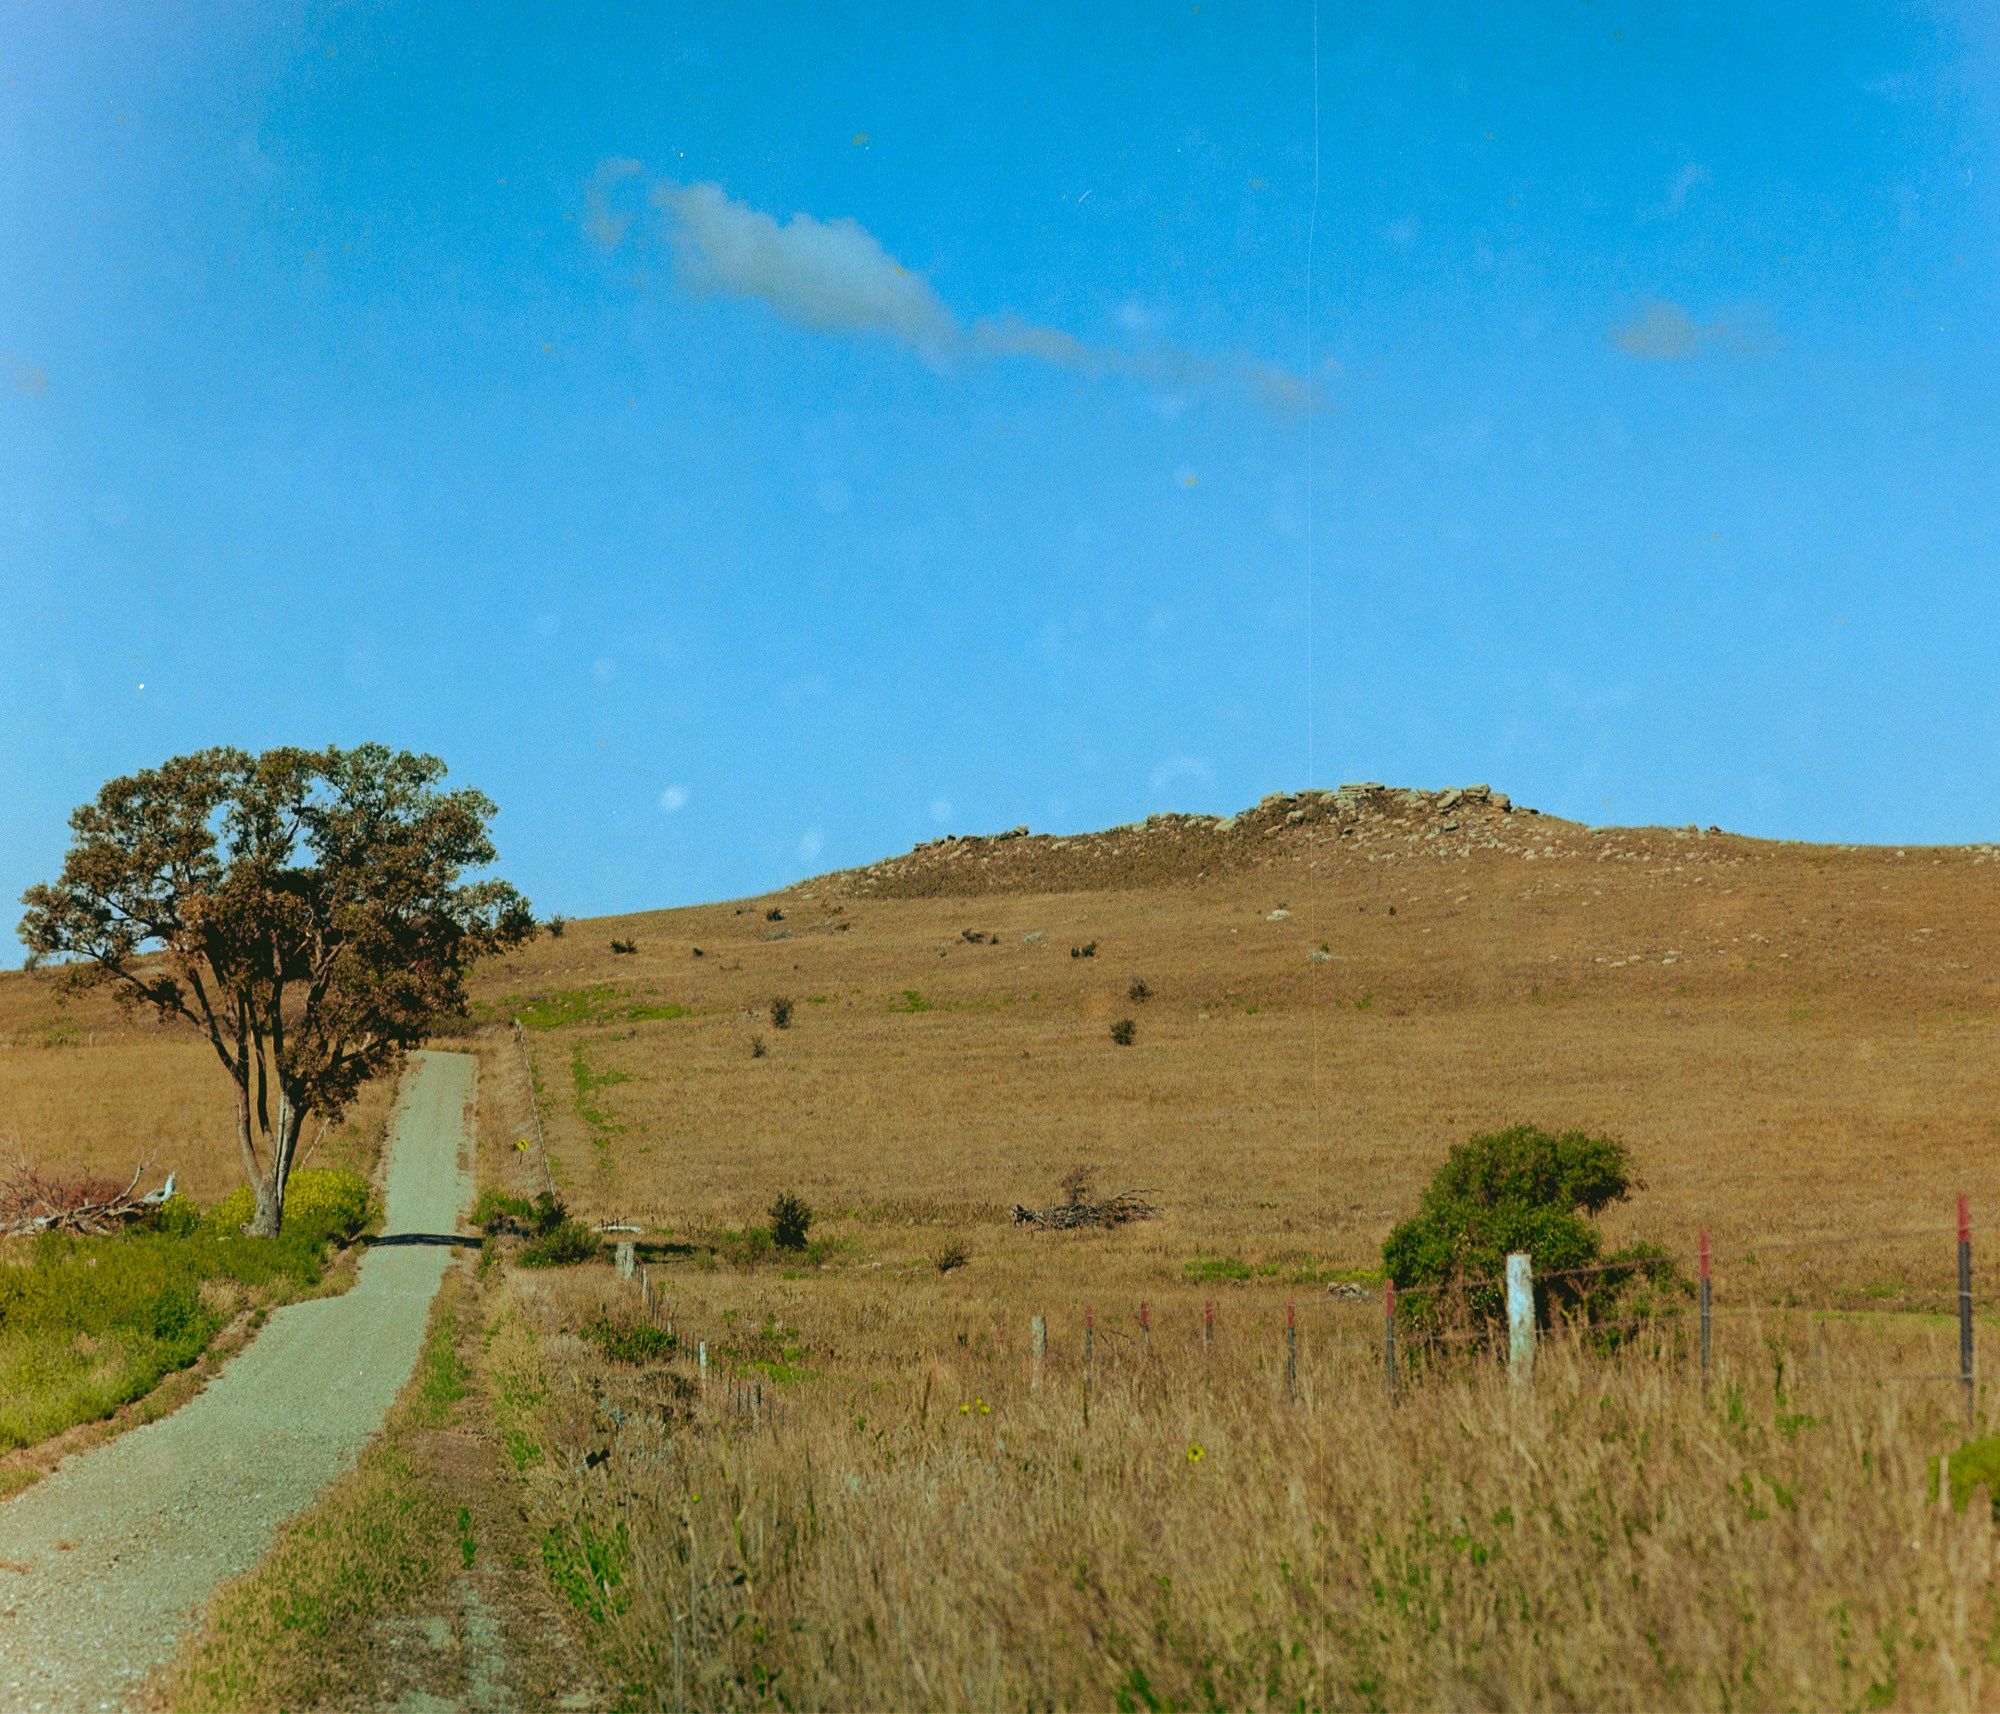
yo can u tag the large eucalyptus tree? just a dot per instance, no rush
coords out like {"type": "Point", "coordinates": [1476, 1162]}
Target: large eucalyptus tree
{"type": "Point", "coordinates": [307, 911]}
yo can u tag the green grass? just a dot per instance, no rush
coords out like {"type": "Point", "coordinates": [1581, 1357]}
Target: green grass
{"type": "Point", "coordinates": [587, 1082]}
{"type": "Point", "coordinates": [90, 1324]}
{"type": "Point", "coordinates": [910, 1001]}
{"type": "Point", "coordinates": [600, 1003]}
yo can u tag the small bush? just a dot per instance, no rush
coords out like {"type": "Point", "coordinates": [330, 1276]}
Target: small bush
{"type": "Point", "coordinates": [781, 1013]}
{"type": "Point", "coordinates": [568, 1243]}
{"type": "Point", "coordinates": [555, 926]}
{"type": "Point", "coordinates": [791, 1220]}
{"type": "Point", "coordinates": [1087, 950]}
{"type": "Point", "coordinates": [639, 1342]}
{"type": "Point", "coordinates": [1138, 991]}
{"type": "Point", "coordinates": [1124, 1031]}
{"type": "Point", "coordinates": [1529, 1190]}
{"type": "Point", "coordinates": [774, 915]}
{"type": "Point", "coordinates": [625, 946]}
{"type": "Point", "coordinates": [951, 1257]}
{"type": "Point", "coordinates": [756, 1047]}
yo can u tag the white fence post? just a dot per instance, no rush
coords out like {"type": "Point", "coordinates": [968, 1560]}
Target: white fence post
{"type": "Point", "coordinates": [1520, 1318]}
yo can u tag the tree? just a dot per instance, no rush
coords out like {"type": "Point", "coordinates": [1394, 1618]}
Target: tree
{"type": "Point", "coordinates": [305, 910]}
{"type": "Point", "coordinates": [1530, 1190]}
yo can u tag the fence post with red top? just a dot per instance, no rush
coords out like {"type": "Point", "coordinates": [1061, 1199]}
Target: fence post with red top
{"type": "Point", "coordinates": [1389, 1335]}
{"type": "Point", "coordinates": [1965, 1306]}
{"type": "Point", "coordinates": [1704, 1305]}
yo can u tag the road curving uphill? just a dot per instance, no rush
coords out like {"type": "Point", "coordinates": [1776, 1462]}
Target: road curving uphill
{"type": "Point", "coordinates": [105, 1565]}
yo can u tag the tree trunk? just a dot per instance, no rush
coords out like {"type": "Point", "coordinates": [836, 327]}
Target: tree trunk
{"type": "Point", "coordinates": [269, 1190]}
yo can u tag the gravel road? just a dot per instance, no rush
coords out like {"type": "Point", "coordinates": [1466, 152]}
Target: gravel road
{"type": "Point", "coordinates": [105, 1564]}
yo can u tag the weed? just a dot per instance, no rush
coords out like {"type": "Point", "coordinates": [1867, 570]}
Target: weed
{"type": "Point", "coordinates": [781, 1013]}
{"type": "Point", "coordinates": [625, 947]}
{"type": "Point", "coordinates": [1087, 950]}
{"type": "Point", "coordinates": [563, 1246]}
{"type": "Point", "coordinates": [1138, 992]}
{"type": "Point", "coordinates": [1124, 1032]}
{"type": "Point", "coordinates": [556, 927]}
{"type": "Point", "coordinates": [756, 1047]}
{"type": "Point", "coordinates": [952, 1257]}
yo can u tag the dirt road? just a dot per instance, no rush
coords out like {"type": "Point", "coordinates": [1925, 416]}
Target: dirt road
{"type": "Point", "coordinates": [105, 1564]}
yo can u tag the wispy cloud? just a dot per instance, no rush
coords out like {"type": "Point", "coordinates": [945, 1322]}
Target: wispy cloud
{"type": "Point", "coordinates": [836, 277]}
{"type": "Point", "coordinates": [673, 798]}
{"type": "Point", "coordinates": [1663, 332]}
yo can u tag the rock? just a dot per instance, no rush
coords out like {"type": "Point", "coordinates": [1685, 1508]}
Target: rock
{"type": "Point", "coordinates": [1030, 939]}
{"type": "Point", "coordinates": [1278, 915]}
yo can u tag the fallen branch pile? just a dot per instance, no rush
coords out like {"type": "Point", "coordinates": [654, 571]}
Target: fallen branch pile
{"type": "Point", "coordinates": [34, 1201]}
{"type": "Point", "coordinates": [1077, 1212]}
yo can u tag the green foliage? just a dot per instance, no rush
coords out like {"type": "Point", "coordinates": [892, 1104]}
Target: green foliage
{"type": "Point", "coordinates": [556, 925]}
{"type": "Point", "coordinates": [598, 1003]}
{"type": "Point", "coordinates": [587, 1567]}
{"type": "Point", "coordinates": [1976, 1464]}
{"type": "Point", "coordinates": [496, 1213]}
{"type": "Point", "coordinates": [791, 1220]}
{"type": "Point", "coordinates": [323, 1203]}
{"type": "Point", "coordinates": [634, 1342]}
{"type": "Point", "coordinates": [1529, 1190]}
{"type": "Point", "coordinates": [911, 1001]}
{"type": "Point", "coordinates": [1124, 1032]}
{"type": "Point", "coordinates": [89, 1324]}
{"type": "Point", "coordinates": [562, 1246]}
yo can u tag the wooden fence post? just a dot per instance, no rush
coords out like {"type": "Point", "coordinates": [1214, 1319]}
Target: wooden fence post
{"type": "Point", "coordinates": [1089, 1357]}
{"type": "Point", "coordinates": [1520, 1318]}
{"type": "Point", "coordinates": [1965, 1307]}
{"type": "Point", "coordinates": [1389, 1335]}
{"type": "Point", "coordinates": [1704, 1305]}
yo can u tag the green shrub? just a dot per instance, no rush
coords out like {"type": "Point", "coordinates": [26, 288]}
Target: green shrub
{"type": "Point", "coordinates": [781, 1013]}
{"type": "Point", "coordinates": [1529, 1190]}
{"type": "Point", "coordinates": [639, 1342]}
{"type": "Point", "coordinates": [321, 1202]}
{"type": "Point", "coordinates": [1124, 1031]}
{"type": "Point", "coordinates": [562, 1246]}
{"type": "Point", "coordinates": [791, 1220]}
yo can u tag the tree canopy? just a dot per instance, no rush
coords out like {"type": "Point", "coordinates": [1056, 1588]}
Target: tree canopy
{"type": "Point", "coordinates": [307, 911]}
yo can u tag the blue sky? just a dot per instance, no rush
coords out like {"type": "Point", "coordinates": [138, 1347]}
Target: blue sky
{"type": "Point", "coordinates": [748, 439]}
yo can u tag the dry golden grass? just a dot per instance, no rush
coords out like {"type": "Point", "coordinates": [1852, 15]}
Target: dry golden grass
{"type": "Point", "coordinates": [88, 1086]}
{"type": "Point", "coordinates": [1816, 1058]}
{"type": "Point", "coordinates": [900, 1520]}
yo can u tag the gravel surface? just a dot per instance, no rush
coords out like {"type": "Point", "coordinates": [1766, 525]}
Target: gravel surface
{"type": "Point", "coordinates": [105, 1564]}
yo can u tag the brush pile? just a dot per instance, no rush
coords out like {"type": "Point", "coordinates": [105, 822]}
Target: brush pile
{"type": "Point", "coordinates": [1080, 1211]}
{"type": "Point", "coordinates": [34, 1201]}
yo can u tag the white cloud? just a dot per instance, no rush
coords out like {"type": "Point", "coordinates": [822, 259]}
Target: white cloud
{"type": "Point", "coordinates": [673, 798]}
{"type": "Point", "coordinates": [1664, 332]}
{"type": "Point", "coordinates": [832, 275]}
{"type": "Point", "coordinates": [1183, 767]}
{"type": "Point", "coordinates": [811, 843]}
{"type": "Point", "coordinates": [602, 218]}
{"type": "Point", "coordinates": [836, 277]}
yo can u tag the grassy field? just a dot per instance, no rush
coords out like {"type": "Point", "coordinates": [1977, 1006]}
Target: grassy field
{"type": "Point", "coordinates": [871, 1504]}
